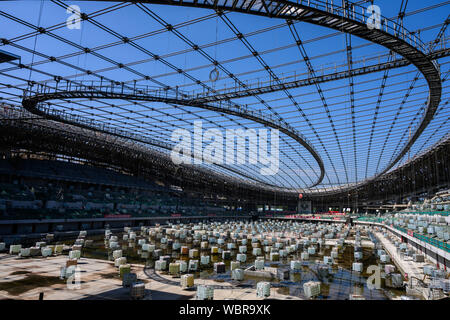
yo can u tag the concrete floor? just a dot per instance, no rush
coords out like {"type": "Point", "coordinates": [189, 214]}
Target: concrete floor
{"type": "Point", "coordinates": [99, 279]}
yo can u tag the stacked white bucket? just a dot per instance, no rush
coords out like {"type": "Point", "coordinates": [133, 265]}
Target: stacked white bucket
{"type": "Point", "coordinates": [296, 265]}
{"type": "Point", "coordinates": [205, 292]}
{"type": "Point", "coordinates": [357, 267]}
{"type": "Point", "coordinates": [259, 264]}
{"type": "Point", "coordinates": [118, 258]}
{"type": "Point", "coordinates": [187, 281]}
{"type": "Point", "coordinates": [263, 289]}
{"type": "Point", "coordinates": [276, 242]}
{"type": "Point", "coordinates": [237, 274]}
{"type": "Point", "coordinates": [311, 289]}
{"type": "Point", "coordinates": [74, 254]}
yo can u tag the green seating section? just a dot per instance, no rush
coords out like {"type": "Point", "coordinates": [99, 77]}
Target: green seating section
{"type": "Point", "coordinates": [401, 221]}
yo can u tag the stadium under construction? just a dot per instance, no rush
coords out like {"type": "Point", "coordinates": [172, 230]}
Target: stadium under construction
{"type": "Point", "coordinates": [224, 150]}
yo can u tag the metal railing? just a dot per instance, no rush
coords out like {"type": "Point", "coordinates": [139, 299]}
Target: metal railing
{"type": "Point", "coordinates": [432, 241]}
{"type": "Point", "coordinates": [98, 89]}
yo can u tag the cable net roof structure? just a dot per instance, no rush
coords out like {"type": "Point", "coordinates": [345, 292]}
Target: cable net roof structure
{"type": "Point", "coordinates": [348, 109]}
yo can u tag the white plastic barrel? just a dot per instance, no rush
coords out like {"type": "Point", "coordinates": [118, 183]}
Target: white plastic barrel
{"type": "Point", "coordinates": [120, 261]}
{"type": "Point", "coordinates": [263, 289]}
{"type": "Point", "coordinates": [24, 252]}
{"type": "Point", "coordinates": [296, 265]}
{"type": "Point", "coordinates": [117, 254]}
{"type": "Point", "coordinates": [15, 248]}
{"type": "Point", "coordinates": [241, 257]}
{"type": "Point", "coordinates": [160, 265]}
{"type": "Point", "coordinates": [237, 274]}
{"type": "Point", "coordinates": [259, 264]}
{"type": "Point", "coordinates": [204, 260]}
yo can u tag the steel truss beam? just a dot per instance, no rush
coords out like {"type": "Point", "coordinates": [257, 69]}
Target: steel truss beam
{"type": "Point", "coordinates": [90, 91]}
{"type": "Point", "coordinates": [24, 131]}
{"type": "Point", "coordinates": [390, 35]}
